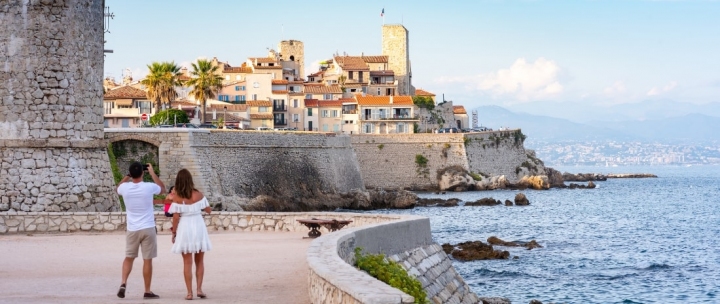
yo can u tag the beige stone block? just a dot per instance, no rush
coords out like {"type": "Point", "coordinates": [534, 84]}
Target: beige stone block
{"type": "Point", "coordinates": [242, 223]}
{"type": "Point", "coordinates": [30, 227]}
{"type": "Point", "coordinates": [86, 227]}
{"type": "Point", "coordinates": [43, 227]}
{"type": "Point", "coordinates": [108, 227]}
{"type": "Point", "coordinates": [3, 229]}
{"type": "Point", "coordinates": [63, 226]}
{"type": "Point", "coordinates": [12, 223]}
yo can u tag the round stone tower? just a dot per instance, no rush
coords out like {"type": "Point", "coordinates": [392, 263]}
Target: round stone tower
{"type": "Point", "coordinates": [396, 45]}
{"type": "Point", "coordinates": [53, 155]}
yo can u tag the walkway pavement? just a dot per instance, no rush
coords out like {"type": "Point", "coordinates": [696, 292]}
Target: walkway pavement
{"type": "Point", "coordinates": [243, 267]}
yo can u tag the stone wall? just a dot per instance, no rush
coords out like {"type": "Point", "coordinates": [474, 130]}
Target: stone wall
{"type": "Point", "coordinates": [396, 45]}
{"type": "Point", "coordinates": [68, 222]}
{"type": "Point", "coordinates": [407, 240]}
{"type": "Point", "coordinates": [51, 121]}
{"type": "Point", "coordinates": [390, 161]}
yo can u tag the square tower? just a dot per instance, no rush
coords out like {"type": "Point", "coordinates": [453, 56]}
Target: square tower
{"type": "Point", "coordinates": [396, 45]}
{"type": "Point", "coordinates": [293, 51]}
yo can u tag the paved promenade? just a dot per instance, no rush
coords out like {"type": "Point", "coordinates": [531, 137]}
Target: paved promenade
{"type": "Point", "coordinates": [243, 267]}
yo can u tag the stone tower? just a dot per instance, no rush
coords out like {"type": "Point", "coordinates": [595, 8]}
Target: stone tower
{"type": "Point", "coordinates": [294, 50]}
{"type": "Point", "coordinates": [396, 45]}
{"type": "Point", "coordinates": [52, 147]}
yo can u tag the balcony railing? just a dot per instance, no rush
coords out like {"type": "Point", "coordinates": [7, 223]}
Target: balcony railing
{"type": "Point", "coordinates": [280, 122]}
{"type": "Point", "coordinates": [379, 116]}
{"type": "Point", "coordinates": [277, 108]}
{"type": "Point", "coordinates": [350, 112]}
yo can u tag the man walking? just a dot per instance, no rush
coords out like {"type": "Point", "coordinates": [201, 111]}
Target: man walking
{"type": "Point", "coordinates": [138, 198]}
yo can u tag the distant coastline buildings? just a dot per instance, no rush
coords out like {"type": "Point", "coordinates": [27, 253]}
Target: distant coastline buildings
{"type": "Point", "coordinates": [348, 94]}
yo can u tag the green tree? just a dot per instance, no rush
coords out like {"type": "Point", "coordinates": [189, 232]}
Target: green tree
{"type": "Point", "coordinates": [205, 82]}
{"type": "Point", "coordinates": [169, 116]}
{"type": "Point", "coordinates": [424, 102]}
{"type": "Point", "coordinates": [341, 80]}
{"type": "Point", "coordinates": [160, 83]}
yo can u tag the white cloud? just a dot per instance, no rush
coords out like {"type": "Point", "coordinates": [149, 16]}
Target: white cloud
{"type": "Point", "coordinates": [615, 89]}
{"type": "Point", "coordinates": [314, 67]}
{"type": "Point", "coordinates": [523, 81]}
{"type": "Point", "coordinates": [667, 88]}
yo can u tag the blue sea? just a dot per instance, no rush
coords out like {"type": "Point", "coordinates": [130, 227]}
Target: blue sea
{"type": "Point", "coordinates": [652, 240]}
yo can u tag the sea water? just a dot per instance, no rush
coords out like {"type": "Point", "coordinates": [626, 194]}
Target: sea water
{"type": "Point", "coordinates": [651, 240]}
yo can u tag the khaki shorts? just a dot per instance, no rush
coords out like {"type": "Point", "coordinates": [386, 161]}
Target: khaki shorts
{"type": "Point", "coordinates": [146, 238]}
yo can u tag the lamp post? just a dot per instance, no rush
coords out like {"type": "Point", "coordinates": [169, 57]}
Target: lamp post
{"type": "Point", "coordinates": [224, 114]}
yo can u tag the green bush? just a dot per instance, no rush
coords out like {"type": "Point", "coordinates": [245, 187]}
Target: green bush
{"type": "Point", "coordinates": [381, 146]}
{"type": "Point", "coordinates": [475, 176]}
{"type": "Point", "coordinates": [467, 141]}
{"type": "Point", "coordinates": [420, 160]}
{"type": "Point", "coordinates": [168, 117]}
{"type": "Point", "coordinates": [117, 176]}
{"type": "Point", "coordinates": [391, 273]}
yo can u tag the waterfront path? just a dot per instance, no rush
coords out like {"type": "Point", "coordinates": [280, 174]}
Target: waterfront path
{"type": "Point", "coordinates": [243, 267]}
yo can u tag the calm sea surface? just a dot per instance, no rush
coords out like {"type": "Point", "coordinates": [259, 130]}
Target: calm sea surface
{"type": "Point", "coordinates": [628, 241]}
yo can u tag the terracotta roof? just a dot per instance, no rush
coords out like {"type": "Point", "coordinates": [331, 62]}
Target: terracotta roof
{"type": "Point", "coordinates": [421, 92]}
{"type": "Point", "coordinates": [311, 103]}
{"type": "Point", "coordinates": [375, 59]}
{"type": "Point", "coordinates": [233, 107]}
{"type": "Point", "coordinates": [330, 103]}
{"type": "Point", "coordinates": [259, 103]}
{"type": "Point", "coordinates": [175, 103]}
{"type": "Point", "coordinates": [279, 91]}
{"type": "Point", "coordinates": [125, 92]}
{"type": "Point", "coordinates": [183, 78]}
{"type": "Point", "coordinates": [318, 73]}
{"type": "Point", "coordinates": [322, 89]}
{"type": "Point", "coordinates": [299, 81]}
{"type": "Point", "coordinates": [459, 110]}
{"type": "Point", "coordinates": [241, 69]}
{"type": "Point", "coordinates": [262, 59]}
{"type": "Point", "coordinates": [382, 73]}
{"type": "Point", "coordinates": [347, 99]}
{"type": "Point", "coordinates": [261, 116]}
{"type": "Point", "coordinates": [281, 81]}
{"type": "Point", "coordinates": [384, 100]}
{"type": "Point", "coordinates": [351, 62]}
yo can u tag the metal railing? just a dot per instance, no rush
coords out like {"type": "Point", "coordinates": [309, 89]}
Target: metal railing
{"type": "Point", "coordinates": [279, 108]}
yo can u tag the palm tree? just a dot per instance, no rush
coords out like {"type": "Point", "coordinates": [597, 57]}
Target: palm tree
{"type": "Point", "coordinates": [161, 82]}
{"type": "Point", "coordinates": [204, 82]}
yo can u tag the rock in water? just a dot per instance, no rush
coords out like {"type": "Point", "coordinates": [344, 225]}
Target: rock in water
{"type": "Point", "coordinates": [494, 300]}
{"type": "Point", "coordinates": [455, 178]}
{"type": "Point", "coordinates": [508, 202]}
{"type": "Point", "coordinates": [487, 201]}
{"type": "Point", "coordinates": [591, 185]}
{"type": "Point", "coordinates": [521, 199]}
{"type": "Point", "coordinates": [536, 182]}
{"type": "Point", "coordinates": [471, 251]}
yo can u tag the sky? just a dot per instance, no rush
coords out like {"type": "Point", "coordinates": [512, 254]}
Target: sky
{"type": "Point", "coordinates": [507, 53]}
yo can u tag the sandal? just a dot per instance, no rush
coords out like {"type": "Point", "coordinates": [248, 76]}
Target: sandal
{"type": "Point", "coordinates": [189, 297]}
{"type": "Point", "coordinates": [201, 295]}
{"type": "Point", "coordinates": [121, 291]}
{"type": "Point", "coordinates": [150, 295]}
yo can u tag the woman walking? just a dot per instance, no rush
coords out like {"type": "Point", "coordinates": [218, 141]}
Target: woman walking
{"type": "Point", "coordinates": [190, 236]}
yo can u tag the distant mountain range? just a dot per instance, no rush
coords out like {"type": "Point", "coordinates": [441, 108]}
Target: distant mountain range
{"type": "Point", "coordinates": [687, 127]}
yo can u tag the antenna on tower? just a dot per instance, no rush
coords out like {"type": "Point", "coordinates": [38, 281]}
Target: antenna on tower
{"type": "Point", "coordinates": [106, 25]}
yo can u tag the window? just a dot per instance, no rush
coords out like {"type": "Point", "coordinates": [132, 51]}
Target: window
{"type": "Point", "coordinates": [292, 89]}
{"type": "Point", "coordinates": [242, 97]}
{"type": "Point", "coordinates": [309, 111]}
{"type": "Point", "coordinates": [360, 76]}
{"type": "Point", "coordinates": [254, 97]}
{"type": "Point", "coordinates": [336, 128]}
{"type": "Point", "coordinates": [296, 118]}
{"type": "Point", "coordinates": [325, 113]}
{"type": "Point", "coordinates": [368, 128]}
{"type": "Point", "coordinates": [334, 113]}
{"type": "Point", "coordinates": [328, 96]}
{"type": "Point", "coordinates": [308, 96]}
{"type": "Point", "coordinates": [262, 109]}
{"type": "Point", "coordinates": [350, 75]}
{"type": "Point", "coordinates": [108, 107]}
{"type": "Point", "coordinates": [295, 103]}
{"type": "Point", "coordinates": [378, 92]}
{"type": "Point", "coordinates": [145, 107]}
{"type": "Point", "coordinates": [237, 88]}
{"type": "Point", "coordinates": [237, 97]}
{"type": "Point", "coordinates": [401, 128]}
{"type": "Point", "coordinates": [325, 128]}
{"type": "Point", "coordinates": [364, 89]}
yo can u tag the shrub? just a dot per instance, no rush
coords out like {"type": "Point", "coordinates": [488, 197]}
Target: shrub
{"type": "Point", "coordinates": [420, 160]}
{"type": "Point", "coordinates": [467, 141]}
{"type": "Point", "coordinates": [381, 146]}
{"type": "Point", "coordinates": [169, 116]}
{"type": "Point", "coordinates": [117, 176]}
{"type": "Point", "coordinates": [475, 176]}
{"type": "Point", "coordinates": [391, 273]}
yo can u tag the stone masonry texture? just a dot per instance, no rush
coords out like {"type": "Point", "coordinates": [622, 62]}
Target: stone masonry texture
{"type": "Point", "coordinates": [53, 156]}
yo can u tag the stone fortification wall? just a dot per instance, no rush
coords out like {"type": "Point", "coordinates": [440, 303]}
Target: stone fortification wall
{"type": "Point", "coordinates": [501, 153]}
{"type": "Point", "coordinates": [67, 222]}
{"type": "Point", "coordinates": [407, 240]}
{"type": "Point", "coordinates": [389, 161]}
{"type": "Point", "coordinates": [51, 122]}
{"type": "Point", "coordinates": [290, 164]}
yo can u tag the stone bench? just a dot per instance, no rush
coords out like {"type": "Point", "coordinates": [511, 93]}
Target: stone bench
{"type": "Point", "coordinates": [330, 224]}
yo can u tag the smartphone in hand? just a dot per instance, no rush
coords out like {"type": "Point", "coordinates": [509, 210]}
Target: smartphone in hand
{"type": "Point", "coordinates": [145, 167]}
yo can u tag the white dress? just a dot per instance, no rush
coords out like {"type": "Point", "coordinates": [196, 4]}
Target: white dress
{"type": "Point", "coordinates": [192, 235]}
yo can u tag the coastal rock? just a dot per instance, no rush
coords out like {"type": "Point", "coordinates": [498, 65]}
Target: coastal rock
{"type": "Point", "coordinates": [583, 177]}
{"type": "Point", "coordinates": [392, 199]}
{"type": "Point", "coordinates": [492, 183]}
{"type": "Point", "coordinates": [521, 200]}
{"type": "Point", "coordinates": [358, 199]}
{"type": "Point", "coordinates": [493, 240]}
{"type": "Point", "coordinates": [591, 185]}
{"type": "Point", "coordinates": [487, 201]}
{"type": "Point", "coordinates": [476, 250]}
{"type": "Point", "coordinates": [535, 302]}
{"type": "Point", "coordinates": [536, 182]}
{"type": "Point", "coordinates": [555, 178]}
{"type": "Point", "coordinates": [508, 202]}
{"type": "Point", "coordinates": [632, 175]}
{"type": "Point", "coordinates": [494, 300]}
{"type": "Point", "coordinates": [437, 202]}
{"type": "Point", "coordinates": [455, 178]}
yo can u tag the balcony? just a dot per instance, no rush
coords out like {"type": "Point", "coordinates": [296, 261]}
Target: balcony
{"type": "Point", "coordinates": [383, 116]}
{"type": "Point", "coordinates": [280, 122]}
{"type": "Point", "coordinates": [349, 111]}
{"type": "Point", "coordinates": [279, 108]}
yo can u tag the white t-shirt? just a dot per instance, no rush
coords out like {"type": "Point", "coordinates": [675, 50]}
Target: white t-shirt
{"type": "Point", "coordinates": [138, 200]}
